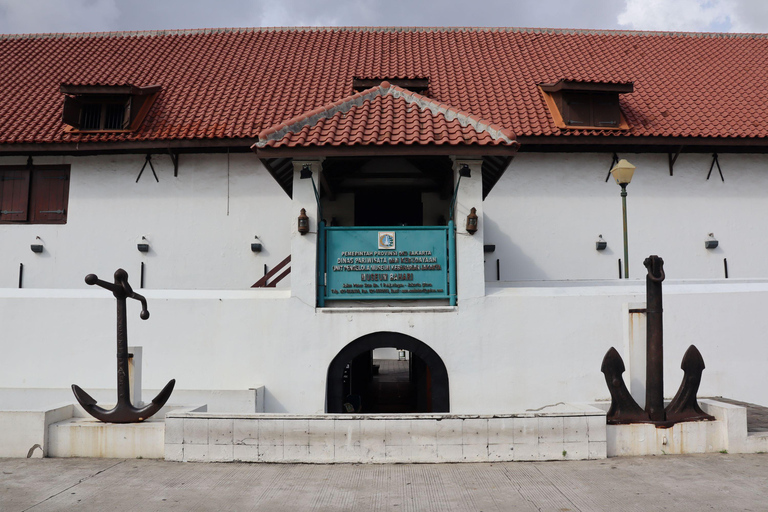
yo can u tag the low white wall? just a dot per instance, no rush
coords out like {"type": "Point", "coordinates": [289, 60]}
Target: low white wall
{"type": "Point", "coordinates": [517, 348]}
{"type": "Point", "coordinates": [570, 432]}
{"type": "Point", "coordinates": [24, 433]}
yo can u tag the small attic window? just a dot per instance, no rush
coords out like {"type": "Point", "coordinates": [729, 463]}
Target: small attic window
{"type": "Point", "coordinates": [419, 85]}
{"type": "Point", "coordinates": [590, 105]}
{"type": "Point", "coordinates": [98, 108]}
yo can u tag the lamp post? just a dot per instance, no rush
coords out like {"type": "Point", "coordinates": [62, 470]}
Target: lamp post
{"type": "Point", "coordinates": [622, 173]}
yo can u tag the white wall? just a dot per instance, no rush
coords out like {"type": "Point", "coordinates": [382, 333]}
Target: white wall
{"type": "Point", "coordinates": [199, 225]}
{"type": "Point", "coordinates": [546, 212]}
{"type": "Point", "coordinates": [517, 348]}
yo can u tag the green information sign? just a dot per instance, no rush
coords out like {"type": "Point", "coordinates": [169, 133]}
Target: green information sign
{"type": "Point", "coordinates": [406, 263]}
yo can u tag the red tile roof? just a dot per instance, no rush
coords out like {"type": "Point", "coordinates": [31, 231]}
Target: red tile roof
{"type": "Point", "coordinates": [381, 115]}
{"type": "Point", "coordinates": [235, 83]}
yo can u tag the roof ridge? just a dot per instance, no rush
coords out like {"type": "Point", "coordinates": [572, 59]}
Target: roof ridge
{"type": "Point", "coordinates": [531, 30]}
{"type": "Point", "coordinates": [329, 110]}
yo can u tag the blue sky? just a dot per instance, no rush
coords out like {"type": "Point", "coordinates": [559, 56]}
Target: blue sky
{"type": "Point", "coordinates": [25, 16]}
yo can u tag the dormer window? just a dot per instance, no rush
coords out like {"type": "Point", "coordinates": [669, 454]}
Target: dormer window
{"type": "Point", "coordinates": [418, 85]}
{"type": "Point", "coordinates": [100, 108]}
{"type": "Point", "coordinates": [586, 105]}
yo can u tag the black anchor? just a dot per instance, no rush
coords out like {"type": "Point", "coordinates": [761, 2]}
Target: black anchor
{"type": "Point", "coordinates": [124, 411]}
{"type": "Point", "coordinates": [684, 406]}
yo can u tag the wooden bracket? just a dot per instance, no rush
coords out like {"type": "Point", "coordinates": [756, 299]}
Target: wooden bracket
{"type": "Point", "coordinates": [614, 161]}
{"type": "Point", "coordinates": [715, 161]}
{"type": "Point", "coordinates": [175, 160]}
{"type": "Point", "coordinates": [673, 159]}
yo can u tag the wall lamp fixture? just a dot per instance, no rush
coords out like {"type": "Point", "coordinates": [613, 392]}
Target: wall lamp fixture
{"type": "Point", "coordinates": [711, 242]}
{"type": "Point", "coordinates": [303, 222]}
{"type": "Point", "coordinates": [38, 248]}
{"type": "Point", "coordinates": [472, 221]}
{"type": "Point", "coordinates": [144, 245]}
{"type": "Point", "coordinates": [256, 246]}
{"type": "Point", "coordinates": [601, 244]}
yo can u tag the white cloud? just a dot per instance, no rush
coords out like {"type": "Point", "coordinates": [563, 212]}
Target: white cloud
{"type": "Point", "coordinates": [22, 16]}
{"type": "Point", "coordinates": [678, 15]}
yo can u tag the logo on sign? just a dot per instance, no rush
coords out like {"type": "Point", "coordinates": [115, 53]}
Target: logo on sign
{"type": "Point", "coordinates": [386, 239]}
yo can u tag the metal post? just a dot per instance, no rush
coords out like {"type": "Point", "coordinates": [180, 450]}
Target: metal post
{"type": "Point", "coordinates": [452, 263]}
{"type": "Point", "coordinates": [626, 243]}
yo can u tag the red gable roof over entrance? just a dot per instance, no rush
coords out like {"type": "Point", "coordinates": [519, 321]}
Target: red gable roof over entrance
{"type": "Point", "coordinates": [383, 115]}
{"type": "Point", "coordinates": [235, 83]}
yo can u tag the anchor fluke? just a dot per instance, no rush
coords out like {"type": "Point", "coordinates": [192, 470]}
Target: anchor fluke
{"type": "Point", "coordinates": [623, 409]}
{"type": "Point", "coordinates": [124, 411]}
{"type": "Point", "coordinates": [684, 406]}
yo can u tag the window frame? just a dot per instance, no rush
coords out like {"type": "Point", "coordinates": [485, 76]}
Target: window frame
{"type": "Point", "coordinates": [33, 198]}
{"type": "Point", "coordinates": [597, 99]}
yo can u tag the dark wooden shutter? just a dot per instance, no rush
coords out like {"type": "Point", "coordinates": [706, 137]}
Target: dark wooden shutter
{"type": "Point", "coordinates": [71, 113]}
{"type": "Point", "coordinates": [127, 114]}
{"type": "Point", "coordinates": [578, 109]}
{"type": "Point", "coordinates": [605, 110]}
{"type": "Point", "coordinates": [14, 195]}
{"type": "Point", "coordinates": [50, 193]}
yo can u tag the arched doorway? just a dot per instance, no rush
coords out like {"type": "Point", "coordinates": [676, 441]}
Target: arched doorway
{"type": "Point", "coordinates": [428, 383]}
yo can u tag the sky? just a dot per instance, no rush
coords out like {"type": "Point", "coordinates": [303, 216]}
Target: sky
{"type": "Point", "coordinates": [41, 16]}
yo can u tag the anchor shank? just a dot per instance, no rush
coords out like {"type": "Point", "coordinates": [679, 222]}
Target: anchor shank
{"type": "Point", "coordinates": [654, 372]}
{"type": "Point", "coordinates": [123, 391]}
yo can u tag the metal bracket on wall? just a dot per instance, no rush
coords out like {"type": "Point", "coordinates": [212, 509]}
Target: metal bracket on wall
{"type": "Point", "coordinates": [673, 159]}
{"type": "Point", "coordinates": [147, 160]}
{"type": "Point", "coordinates": [715, 161]}
{"type": "Point", "coordinates": [175, 160]}
{"type": "Point", "coordinates": [614, 161]}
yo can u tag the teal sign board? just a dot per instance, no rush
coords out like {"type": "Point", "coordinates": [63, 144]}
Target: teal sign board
{"type": "Point", "coordinates": [377, 263]}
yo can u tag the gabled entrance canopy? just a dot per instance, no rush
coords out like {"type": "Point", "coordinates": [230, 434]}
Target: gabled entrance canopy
{"type": "Point", "coordinates": [385, 120]}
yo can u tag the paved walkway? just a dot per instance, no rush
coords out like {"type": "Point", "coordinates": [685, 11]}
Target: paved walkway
{"type": "Point", "coordinates": [680, 483]}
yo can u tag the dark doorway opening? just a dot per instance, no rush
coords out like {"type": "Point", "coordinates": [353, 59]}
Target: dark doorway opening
{"type": "Point", "coordinates": [392, 206]}
{"type": "Point", "coordinates": [417, 383]}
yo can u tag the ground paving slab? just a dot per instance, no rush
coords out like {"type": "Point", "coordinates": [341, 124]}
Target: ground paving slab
{"type": "Point", "coordinates": [679, 483]}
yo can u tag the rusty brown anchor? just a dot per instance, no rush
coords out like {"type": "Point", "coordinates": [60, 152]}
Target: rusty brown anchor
{"type": "Point", "coordinates": [683, 406]}
{"type": "Point", "coordinates": [124, 411]}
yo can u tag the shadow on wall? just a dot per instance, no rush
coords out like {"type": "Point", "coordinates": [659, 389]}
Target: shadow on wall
{"type": "Point", "coordinates": [514, 263]}
{"type": "Point", "coordinates": [272, 404]}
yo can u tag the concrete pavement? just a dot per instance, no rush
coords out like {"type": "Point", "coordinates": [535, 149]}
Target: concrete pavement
{"type": "Point", "coordinates": [679, 483]}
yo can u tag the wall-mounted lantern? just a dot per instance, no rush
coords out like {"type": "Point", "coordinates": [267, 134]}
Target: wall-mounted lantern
{"type": "Point", "coordinates": [601, 244]}
{"type": "Point", "coordinates": [472, 221]}
{"type": "Point", "coordinates": [256, 246]}
{"type": "Point", "coordinates": [37, 247]}
{"type": "Point", "coordinates": [303, 222]}
{"type": "Point", "coordinates": [711, 242]}
{"type": "Point", "coordinates": [143, 246]}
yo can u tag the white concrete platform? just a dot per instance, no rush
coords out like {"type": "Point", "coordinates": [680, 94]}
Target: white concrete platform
{"type": "Point", "coordinates": [563, 432]}
{"type": "Point", "coordinates": [728, 433]}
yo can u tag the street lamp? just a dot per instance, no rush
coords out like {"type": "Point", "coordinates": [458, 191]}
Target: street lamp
{"type": "Point", "coordinates": [622, 173]}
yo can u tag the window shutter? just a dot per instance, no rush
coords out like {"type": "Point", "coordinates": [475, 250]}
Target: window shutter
{"type": "Point", "coordinates": [50, 192]}
{"type": "Point", "coordinates": [579, 109]}
{"type": "Point", "coordinates": [71, 113]}
{"type": "Point", "coordinates": [14, 196]}
{"type": "Point", "coordinates": [605, 110]}
{"type": "Point", "coordinates": [127, 114]}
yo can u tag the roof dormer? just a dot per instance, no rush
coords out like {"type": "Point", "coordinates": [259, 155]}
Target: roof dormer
{"type": "Point", "coordinates": [106, 108]}
{"type": "Point", "coordinates": [586, 105]}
